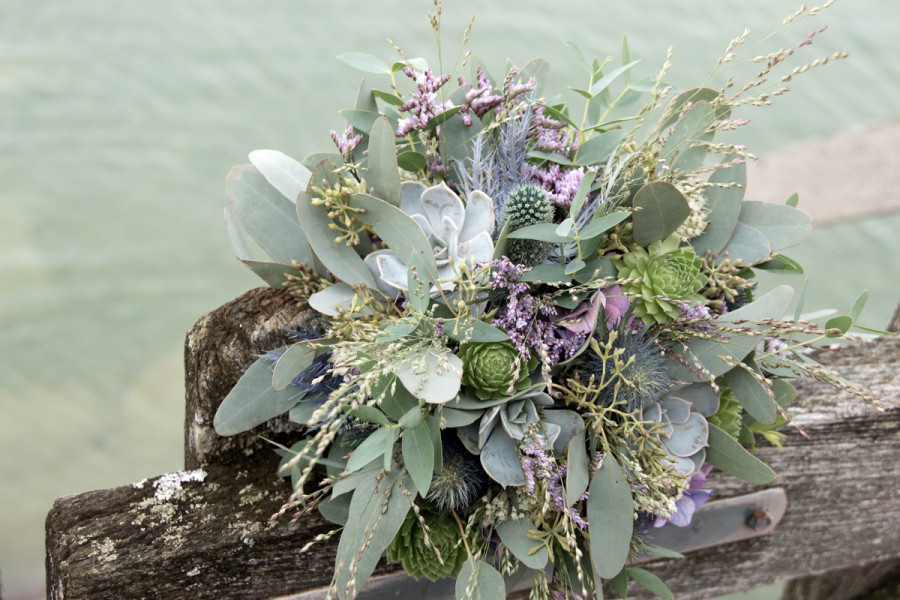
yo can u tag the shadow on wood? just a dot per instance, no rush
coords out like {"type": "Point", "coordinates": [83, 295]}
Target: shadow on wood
{"type": "Point", "coordinates": [215, 539]}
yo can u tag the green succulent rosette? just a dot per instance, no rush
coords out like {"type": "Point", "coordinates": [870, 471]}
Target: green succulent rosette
{"type": "Point", "coordinates": [661, 276]}
{"type": "Point", "coordinates": [494, 369]}
{"type": "Point", "coordinates": [420, 560]}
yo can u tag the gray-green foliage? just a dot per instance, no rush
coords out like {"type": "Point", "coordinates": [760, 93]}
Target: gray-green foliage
{"type": "Point", "coordinates": [528, 205]}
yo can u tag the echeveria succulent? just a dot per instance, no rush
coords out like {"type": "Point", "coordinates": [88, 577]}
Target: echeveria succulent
{"type": "Point", "coordinates": [494, 369]}
{"type": "Point", "coordinates": [686, 430]}
{"type": "Point", "coordinates": [421, 560]}
{"type": "Point", "coordinates": [457, 233]}
{"type": "Point", "coordinates": [660, 277]}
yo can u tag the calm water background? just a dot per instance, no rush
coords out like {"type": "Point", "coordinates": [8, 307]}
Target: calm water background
{"type": "Point", "coordinates": [119, 120]}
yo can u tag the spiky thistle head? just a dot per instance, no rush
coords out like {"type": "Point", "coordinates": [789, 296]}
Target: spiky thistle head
{"type": "Point", "coordinates": [461, 481]}
{"type": "Point", "coordinates": [527, 205]}
{"type": "Point", "coordinates": [644, 377]}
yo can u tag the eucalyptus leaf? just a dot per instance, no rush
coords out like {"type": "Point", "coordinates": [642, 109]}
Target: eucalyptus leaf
{"type": "Point", "coordinates": [369, 450]}
{"type": "Point", "coordinates": [302, 413]}
{"type": "Point", "coordinates": [610, 77]}
{"type": "Point", "coordinates": [370, 414]}
{"type": "Point", "coordinates": [456, 140]}
{"type": "Point", "coordinates": [859, 305]}
{"type": "Point", "coordinates": [479, 581]}
{"type": "Point", "coordinates": [724, 205]}
{"type": "Point", "coordinates": [336, 509]}
{"type": "Point", "coordinates": [725, 454]}
{"type": "Point", "coordinates": [718, 356]}
{"type": "Point", "coordinates": [340, 259]}
{"type": "Point", "coordinates": [782, 225]}
{"type": "Point", "coordinates": [578, 472]}
{"type": "Point", "coordinates": [537, 68]}
{"type": "Point", "coordinates": [473, 330]}
{"type": "Point", "coordinates": [552, 157]}
{"type": "Point", "coordinates": [267, 216]}
{"type": "Point", "coordinates": [411, 161]}
{"type": "Point", "coordinates": [291, 363]}
{"type": "Point", "coordinates": [547, 273]}
{"type": "Point", "coordinates": [435, 378]}
{"type": "Point", "coordinates": [673, 111]}
{"type": "Point", "coordinates": [597, 149]}
{"type": "Point", "coordinates": [659, 210]}
{"type": "Point", "coordinates": [748, 245]}
{"type": "Point", "coordinates": [544, 232]}
{"type": "Point", "coordinates": [514, 535]}
{"type": "Point", "coordinates": [500, 460]}
{"type": "Point", "coordinates": [365, 62]}
{"type": "Point", "coordinates": [379, 507]}
{"type": "Point", "coordinates": [781, 264]}
{"type": "Point", "coordinates": [752, 395]}
{"type": "Point", "coordinates": [252, 401]}
{"type": "Point", "coordinates": [685, 149]}
{"type": "Point", "coordinates": [274, 274]}
{"type": "Point", "coordinates": [397, 401]}
{"type": "Point", "coordinates": [388, 97]}
{"type": "Point", "coordinates": [418, 285]}
{"type": "Point", "coordinates": [284, 173]}
{"type": "Point", "coordinates": [381, 169]}
{"type": "Point", "coordinates": [328, 301]}
{"type": "Point", "coordinates": [584, 188]}
{"type": "Point", "coordinates": [362, 120]}
{"type": "Point", "coordinates": [650, 582]}
{"type": "Point", "coordinates": [610, 509]}
{"type": "Point", "coordinates": [418, 456]}
{"type": "Point", "coordinates": [600, 225]}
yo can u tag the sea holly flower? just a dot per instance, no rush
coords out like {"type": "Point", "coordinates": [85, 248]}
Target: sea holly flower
{"type": "Point", "coordinates": [495, 369]}
{"type": "Point", "coordinates": [418, 550]}
{"type": "Point", "coordinates": [660, 278]}
{"type": "Point", "coordinates": [457, 233]}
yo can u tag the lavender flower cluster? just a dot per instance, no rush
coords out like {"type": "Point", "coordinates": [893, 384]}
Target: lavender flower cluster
{"type": "Point", "coordinates": [540, 465]}
{"type": "Point", "coordinates": [529, 320]}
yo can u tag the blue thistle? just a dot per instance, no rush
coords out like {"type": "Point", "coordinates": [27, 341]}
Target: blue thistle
{"type": "Point", "coordinates": [644, 380]}
{"type": "Point", "coordinates": [528, 205]}
{"type": "Point", "coordinates": [462, 480]}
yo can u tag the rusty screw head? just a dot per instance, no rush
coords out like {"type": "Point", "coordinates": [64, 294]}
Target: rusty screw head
{"type": "Point", "coordinates": [759, 519]}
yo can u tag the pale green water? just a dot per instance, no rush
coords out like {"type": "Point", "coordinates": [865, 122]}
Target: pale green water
{"type": "Point", "coordinates": [118, 121]}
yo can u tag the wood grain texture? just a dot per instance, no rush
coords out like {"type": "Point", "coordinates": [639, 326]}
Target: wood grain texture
{"type": "Point", "coordinates": [216, 540]}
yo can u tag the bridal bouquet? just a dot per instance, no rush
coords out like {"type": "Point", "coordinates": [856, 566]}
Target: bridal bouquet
{"type": "Point", "coordinates": [537, 325]}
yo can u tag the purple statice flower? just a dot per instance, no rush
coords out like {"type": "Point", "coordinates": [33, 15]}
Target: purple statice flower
{"type": "Point", "coordinates": [479, 99]}
{"type": "Point", "coordinates": [540, 465]}
{"type": "Point", "coordinates": [560, 183]}
{"type": "Point", "coordinates": [699, 313]}
{"type": "Point", "coordinates": [692, 499]}
{"type": "Point", "coordinates": [347, 141]}
{"type": "Point", "coordinates": [423, 104]}
{"type": "Point", "coordinates": [529, 320]}
{"type": "Point", "coordinates": [551, 135]}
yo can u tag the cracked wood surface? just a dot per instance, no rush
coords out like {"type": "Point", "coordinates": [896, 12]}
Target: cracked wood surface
{"type": "Point", "coordinates": [215, 539]}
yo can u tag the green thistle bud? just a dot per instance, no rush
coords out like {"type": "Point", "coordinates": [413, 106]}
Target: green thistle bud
{"type": "Point", "coordinates": [662, 276]}
{"type": "Point", "coordinates": [527, 205]}
{"type": "Point", "coordinates": [494, 369]}
{"type": "Point", "coordinates": [421, 560]}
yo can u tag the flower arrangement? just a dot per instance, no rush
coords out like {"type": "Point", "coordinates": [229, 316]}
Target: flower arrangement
{"type": "Point", "coordinates": [538, 326]}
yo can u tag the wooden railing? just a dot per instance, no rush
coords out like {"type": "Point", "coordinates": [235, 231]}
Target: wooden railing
{"type": "Point", "coordinates": [175, 537]}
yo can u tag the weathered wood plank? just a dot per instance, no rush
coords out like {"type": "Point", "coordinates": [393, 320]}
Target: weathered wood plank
{"type": "Point", "coordinates": [122, 543]}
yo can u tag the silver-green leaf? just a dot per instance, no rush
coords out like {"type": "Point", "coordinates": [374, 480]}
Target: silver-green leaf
{"type": "Point", "coordinates": [252, 401]}
{"type": "Point", "coordinates": [610, 508]}
{"type": "Point", "coordinates": [479, 581]}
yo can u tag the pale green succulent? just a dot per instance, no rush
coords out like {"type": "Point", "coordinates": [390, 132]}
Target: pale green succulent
{"type": "Point", "coordinates": [685, 431]}
{"type": "Point", "coordinates": [494, 369]}
{"type": "Point", "coordinates": [421, 560]}
{"type": "Point", "coordinates": [661, 277]}
{"type": "Point", "coordinates": [457, 233]}
{"type": "Point", "coordinates": [493, 429]}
